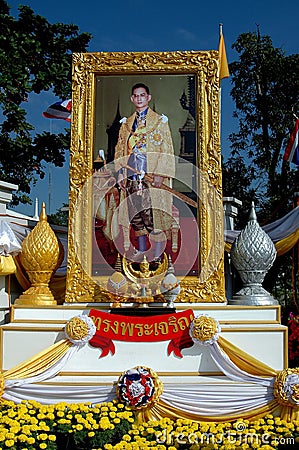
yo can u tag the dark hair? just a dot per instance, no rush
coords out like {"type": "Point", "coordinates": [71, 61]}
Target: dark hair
{"type": "Point", "coordinates": [140, 85]}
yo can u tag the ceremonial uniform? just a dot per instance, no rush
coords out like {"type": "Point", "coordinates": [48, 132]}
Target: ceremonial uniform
{"type": "Point", "coordinates": [145, 144]}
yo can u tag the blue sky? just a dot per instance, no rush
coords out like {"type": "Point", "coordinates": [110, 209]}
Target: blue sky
{"type": "Point", "coordinates": [164, 25]}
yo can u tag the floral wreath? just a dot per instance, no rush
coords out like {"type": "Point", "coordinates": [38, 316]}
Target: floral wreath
{"type": "Point", "coordinates": [286, 387]}
{"type": "Point", "coordinates": [80, 329]}
{"type": "Point", "coordinates": [204, 330]}
{"type": "Point", "coordinates": [139, 387]}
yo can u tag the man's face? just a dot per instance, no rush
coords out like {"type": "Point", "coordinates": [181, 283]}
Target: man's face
{"type": "Point", "coordinates": [140, 98]}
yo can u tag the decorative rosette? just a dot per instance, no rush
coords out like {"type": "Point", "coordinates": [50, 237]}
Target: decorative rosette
{"type": "Point", "coordinates": [204, 330]}
{"type": "Point", "coordinates": [286, 387]}
{"type": "Point", "coordinates": [155, 137]}
{"type": "Point", "coordinates": [139, 387]}
{"type": "Point", "coordinates": [80, 329]}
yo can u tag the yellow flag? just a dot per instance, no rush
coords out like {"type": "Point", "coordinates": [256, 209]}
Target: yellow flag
{"type": "Point", "coordinates": [223, 65]}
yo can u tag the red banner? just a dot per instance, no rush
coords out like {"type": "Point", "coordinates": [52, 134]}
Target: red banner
{"type": "Point", "coordinates": [166, 327]}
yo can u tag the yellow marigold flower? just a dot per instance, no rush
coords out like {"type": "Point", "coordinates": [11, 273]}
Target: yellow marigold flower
{"type": "Point", "coordinates": [25, 429]}
{"type": "Point", "coordinates": [31, 440]}
{"type": "Point", "coordinates": [79, 427]}
{"type": "Point", "coordinates": [22, 437]}
{"type": "Point", "coordinates": [96, 410]}
{"type": "Point", "coordinates": [62, 421]}
{"type": "Point", "coordinates": [126, 438]}
{"type": "Point", "coordinates": [60, 406]}
{"type": "Point", "coordinates": [43, 445]}
{"type": "Point", "coordinates": [134, 432]}
{"type": "Point", "coordinates": [52, 437]}
{"type": "Point", "coordinates": [60, 413]}
{"type": "Point", "coordinates": [10, 435]}
{"type": "Point", "coordinates": [9, 442]}
{"type": "Point", "coordinates": [42, 437]}
{"type": "Point", "coordinates": [91, 433]}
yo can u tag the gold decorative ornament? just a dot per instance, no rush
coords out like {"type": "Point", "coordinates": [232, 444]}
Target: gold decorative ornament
{"type": "Point", "coordinates": [145, 279]}
{"type": "Point", "coordinates": [39, 256]}
{"type": "Point", "coordinates": [144, 273]}
{"type": "Point", "coordinates": [76, 329]}
{"type": "Point", "coordinates": [286, 387]}
{"type": "Point", "coordinates": [204, 329]}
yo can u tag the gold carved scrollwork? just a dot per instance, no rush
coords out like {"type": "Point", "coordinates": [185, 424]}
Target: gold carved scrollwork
{"type": "Point", "coordinates": [209, 286]}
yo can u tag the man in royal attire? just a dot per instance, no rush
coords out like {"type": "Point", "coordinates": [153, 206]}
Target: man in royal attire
{"type": "Point", "coordinates": [145, 147]}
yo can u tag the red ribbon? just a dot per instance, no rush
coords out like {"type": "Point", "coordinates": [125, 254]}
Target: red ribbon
{"type": "Point", "coordinates": [172, 327]}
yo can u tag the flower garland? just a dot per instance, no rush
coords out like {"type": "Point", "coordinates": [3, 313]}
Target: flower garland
{"type": "Point", "coordinates": [139, 387]}
{"type": "Point", "coordinates": [80, 329]}
{"type": "Point", "coordinates": [286, 387]}
{"type": "Point", "coordinates": [204, 330]}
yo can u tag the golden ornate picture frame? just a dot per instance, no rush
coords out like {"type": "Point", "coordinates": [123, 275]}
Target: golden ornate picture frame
{"type": "Point", "coordinates": [203, 67]}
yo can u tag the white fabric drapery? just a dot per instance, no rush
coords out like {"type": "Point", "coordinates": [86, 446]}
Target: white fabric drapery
{"type": "Point", "coordinates": [51, 394]}
{"type": "Point", "coordinates": [277, 230]}
{"type": "Point", "coordinates": [236, 393]}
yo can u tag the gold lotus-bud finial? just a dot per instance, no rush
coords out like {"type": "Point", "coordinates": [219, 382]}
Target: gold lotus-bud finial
{"type": "Point", "coordinates": [39, 257]}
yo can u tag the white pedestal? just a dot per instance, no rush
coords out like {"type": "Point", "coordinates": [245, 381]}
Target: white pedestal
{"type": "Point", "coordinates": [256, 330]}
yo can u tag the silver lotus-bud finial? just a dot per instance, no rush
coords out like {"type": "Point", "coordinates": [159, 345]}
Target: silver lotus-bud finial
{"type": "Point", "coordinates": [253, 254]}
{"type": "Point", "coordinates": [170, 286]}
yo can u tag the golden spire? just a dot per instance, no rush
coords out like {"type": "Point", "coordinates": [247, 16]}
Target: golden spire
{"type": "Point", "coordinates": [39, 257]}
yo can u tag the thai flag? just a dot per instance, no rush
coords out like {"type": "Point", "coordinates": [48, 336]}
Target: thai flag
{"type": "Point", "coordinates": [60, 110]}
{"type": "Point", "coordinates": [292, 151]}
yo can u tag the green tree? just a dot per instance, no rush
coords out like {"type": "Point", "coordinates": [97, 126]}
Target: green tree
{"type": "Point", "coordinates": [266, 93]}
{"type": "Point", "coordinates": [35, 56]}
{"type": "Point", "coordinates": [60, 217]}
{"type": "Point", "coordinates": [237, 181]}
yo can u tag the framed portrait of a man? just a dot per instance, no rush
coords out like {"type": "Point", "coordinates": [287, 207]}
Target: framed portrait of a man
{"type": "Point", "coordinates": [145, 171]}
